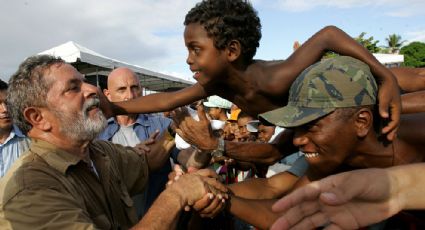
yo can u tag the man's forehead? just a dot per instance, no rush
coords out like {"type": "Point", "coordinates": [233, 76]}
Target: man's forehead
{"type": "Point", "coordinates": [122, 80]}
{"type": "Point", "coordinates": [62, 73]}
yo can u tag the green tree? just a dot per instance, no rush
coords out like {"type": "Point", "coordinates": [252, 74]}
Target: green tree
{"type": "Point", "coordinates": [414, 54]}
{"type": "Point", "coordinates": [369, 43]}
{"type": "Point", "coordinates": [394, 43]}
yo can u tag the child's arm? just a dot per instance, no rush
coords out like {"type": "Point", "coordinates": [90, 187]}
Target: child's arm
{"type": "Point", "coordinates": [333, 39]}
{"type": "Point", "coordinates": [158, 102]}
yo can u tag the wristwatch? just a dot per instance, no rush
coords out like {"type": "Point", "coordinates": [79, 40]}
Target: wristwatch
{"type": "Point", "coordinates": [219, 151]}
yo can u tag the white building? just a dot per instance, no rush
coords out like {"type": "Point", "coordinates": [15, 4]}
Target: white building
{"type": "Point", "coordinates": [390, 60]}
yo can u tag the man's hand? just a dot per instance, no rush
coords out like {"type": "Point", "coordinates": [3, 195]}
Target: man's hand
{"type": "Point", "coordinates": [343, 201]}
{"type": "Point", "coordinates": [198, 133]}
{"type": "Point", "coordinates": [143, 147]}
{"type": "Point", "coordinates": [160, 147]}
{"type": "Point", "coordinates": [210, 206]}
{"type": "Point", "coordinates": [212, 202]}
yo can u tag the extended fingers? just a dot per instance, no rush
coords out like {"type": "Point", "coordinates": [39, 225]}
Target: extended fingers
{"type": "Point", "coordinates": [213, 208]}
{"type": "Point", "coordinates": [153, 135]}
{"type": "Point", "coordinates": [303, 194]}
{"type": "Point", "coordinates": [216, 187]}
{"type": "Point", "coordinates": [203, 202]}
{"type": "Point", "coordinates": [201, 113]}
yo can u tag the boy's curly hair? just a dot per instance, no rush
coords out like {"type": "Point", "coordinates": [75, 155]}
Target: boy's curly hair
{"type": "Point", "coordinates": [226, 20]}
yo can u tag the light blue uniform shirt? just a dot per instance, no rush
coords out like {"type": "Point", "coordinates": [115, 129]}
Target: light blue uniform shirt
{"type": "Point", "coordinates": [11, 149]}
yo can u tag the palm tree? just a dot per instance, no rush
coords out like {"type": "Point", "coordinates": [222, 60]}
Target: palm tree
{"type": "Point", "coordinates": [394, 43]}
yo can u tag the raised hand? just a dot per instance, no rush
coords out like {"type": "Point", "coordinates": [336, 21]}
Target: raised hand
{"type": "Point", "coordinates": [198, 133]}
{"type": "Point", "coordinates": [143, 147]}
{"type": "Point", "coordinates": [344, 201]}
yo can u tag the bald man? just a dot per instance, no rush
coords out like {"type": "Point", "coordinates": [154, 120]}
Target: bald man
{"type": "Point", "coordinates": [129, 130]}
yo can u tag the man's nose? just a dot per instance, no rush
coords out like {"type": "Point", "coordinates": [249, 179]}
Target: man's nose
{"type": "Point", "coordinates": [130, 94]}
{"type": "Point", "coordinates": [89, 90]}
{"type": "Point", "coordinates": [300, 139]}
{"type": "Point", "coordinates": [3, 107]}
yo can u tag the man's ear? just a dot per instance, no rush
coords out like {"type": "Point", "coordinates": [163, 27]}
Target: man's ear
{"type": "Point", "coordinates": [234, 50]}
{"type": "Point", "coordinates": [363, 122]}
{"type": "Point", "coordinates": [37, 118]}
{"type": "Point", "coordinates": [107, 94]}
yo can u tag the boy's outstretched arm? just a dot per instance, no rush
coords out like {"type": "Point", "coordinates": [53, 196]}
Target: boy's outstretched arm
{"type": "Point", "coordinates": [158, 102]}
{"type": "Point", "coordinates": [333, 39]}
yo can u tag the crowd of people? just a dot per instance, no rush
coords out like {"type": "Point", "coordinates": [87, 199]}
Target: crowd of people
{"type": "Point", "coordinates": [303, 143]}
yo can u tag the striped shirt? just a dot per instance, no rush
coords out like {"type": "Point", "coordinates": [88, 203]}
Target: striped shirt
{"type": "Point", "coordinates": [15, 145]}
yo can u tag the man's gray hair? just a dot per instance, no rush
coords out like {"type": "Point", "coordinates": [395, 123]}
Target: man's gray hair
{"type": "Point", "coordinates": [28, 87]}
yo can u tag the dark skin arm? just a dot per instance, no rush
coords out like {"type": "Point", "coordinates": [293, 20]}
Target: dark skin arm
{"type": "Point", "coordinates": [329, 38]}
{"type": "Point", "coordinates": [256, 212]}
{"type": "Point", "coordinates": [334, 39]}
{"type": "Point", "coordinates": [265, 188]}
{"type": "Point", "coordinates": [409, 79]}
{"type": "Point", "coordinates": [199, 133]}
{"type": "Point", "coordinates": [157, 102]}
{"type": "Point", "coordinates": [413, 102]}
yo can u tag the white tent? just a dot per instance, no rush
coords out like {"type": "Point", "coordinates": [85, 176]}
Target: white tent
{"type": "Point", "coordinates": [96, 67]}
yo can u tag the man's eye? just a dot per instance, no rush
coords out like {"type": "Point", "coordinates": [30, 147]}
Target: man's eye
{"type": "Point", "coordinates": [74, 88]}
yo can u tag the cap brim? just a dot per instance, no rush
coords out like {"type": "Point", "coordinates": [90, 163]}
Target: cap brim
{"type": "Point", "coordinates": [209, 104]}
{"type": "Point", "coordinates": [292, 116]}
{"type": "Point", "coordinates": [252, 126]}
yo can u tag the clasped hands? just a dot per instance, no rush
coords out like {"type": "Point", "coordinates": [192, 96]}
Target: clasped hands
{"type": "Point", "coordinates": [201, 191]}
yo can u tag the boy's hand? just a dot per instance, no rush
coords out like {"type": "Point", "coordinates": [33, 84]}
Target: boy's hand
{"type": "Point", "coordinates": [389, 102]}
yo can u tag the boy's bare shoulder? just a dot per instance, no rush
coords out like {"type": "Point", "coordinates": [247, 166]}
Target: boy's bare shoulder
{"type": "Point", "coordinates": [272, 77]}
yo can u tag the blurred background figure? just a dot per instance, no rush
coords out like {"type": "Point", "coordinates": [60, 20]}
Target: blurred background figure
{"type": "Point", "coordinates": [12, 142]}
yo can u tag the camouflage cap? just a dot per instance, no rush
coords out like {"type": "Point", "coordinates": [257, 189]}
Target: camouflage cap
{"type": "Point", "coordinates": [334, 83]}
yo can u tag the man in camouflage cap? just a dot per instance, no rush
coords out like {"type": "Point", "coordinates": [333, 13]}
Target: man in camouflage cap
{"type": "Point", "coordinates": [339, 82]}
{"type": "Point", "coordinates": [331, 112]}
{"type": "Point", "coordinates": [322, 105]}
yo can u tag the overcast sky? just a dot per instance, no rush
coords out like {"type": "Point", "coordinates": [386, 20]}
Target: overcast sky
{"type": "Point", "coordinates": [149, 33]}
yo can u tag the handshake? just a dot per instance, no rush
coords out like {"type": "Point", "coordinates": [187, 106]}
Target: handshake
{"type": "Point", "coordinates": [200, 190]}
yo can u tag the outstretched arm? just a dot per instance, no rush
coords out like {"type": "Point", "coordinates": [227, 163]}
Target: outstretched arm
{"type": "Point", "coordinates": [199, 134]}
{"type": "Point", "coordinates": [333, 39]}
{"type": "Point", "coordinates": [353, 199]}
{"type": "Point", "coordinates": [265, 188]}
{"type": "Point", "coordinates": [413, 102]}
{"type": "Point", "coordinates": [158, 102]}
{"type": "Point", "coordinates": [409, 79]}
{"type": "Point", "coordinates": [187, 190]}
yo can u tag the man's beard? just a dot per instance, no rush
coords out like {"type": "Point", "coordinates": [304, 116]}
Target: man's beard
{"type": "Point", "coordinates": [80, 127]}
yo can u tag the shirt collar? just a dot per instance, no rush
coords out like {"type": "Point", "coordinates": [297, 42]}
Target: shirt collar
{"type": "Point", "coordinates": [54, 156]}
{"type": "Point", "coordinates": [142, 119]}
{"type": "Point", "coordinates": [17, 131]}
{"type": "Point", "coordinates": [14, 132]}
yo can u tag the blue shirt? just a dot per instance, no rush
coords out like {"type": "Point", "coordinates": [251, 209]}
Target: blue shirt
{"type": "Point", "coordinates": [12, 148]}
{"type": "Point", "coordinates": [145, 125]}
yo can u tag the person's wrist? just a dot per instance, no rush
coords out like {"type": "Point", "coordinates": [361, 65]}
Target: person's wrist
{"type": "Point", "coordinates": [172, 191]}
{"type": "Point", "coordinates": [213, 144]}
{"type": "Point", "coordinates": [399, 181]}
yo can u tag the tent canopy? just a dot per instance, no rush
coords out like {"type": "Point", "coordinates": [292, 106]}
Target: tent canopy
{"type": "Point", "coordinates": [96, 68]}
